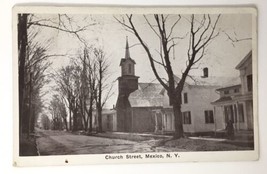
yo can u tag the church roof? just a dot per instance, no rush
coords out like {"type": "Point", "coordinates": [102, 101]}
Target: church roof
{"type": "Point", "coordinates": [147, 95]}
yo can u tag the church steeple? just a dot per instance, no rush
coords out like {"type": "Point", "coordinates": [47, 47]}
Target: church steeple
{"type": "Point", "coordinates": [128, 83]}
{"type": "Point", "coordinates": [127, 63]}
{"type": "Point", "coordinates": [127, 51]}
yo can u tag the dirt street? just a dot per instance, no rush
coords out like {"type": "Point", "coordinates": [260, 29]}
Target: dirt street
{"type": "Point", "coordinates": [64, 143]}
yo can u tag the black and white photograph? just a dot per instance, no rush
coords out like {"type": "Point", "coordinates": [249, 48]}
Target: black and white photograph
{"type": "Point", "coordinates": [118, 84]}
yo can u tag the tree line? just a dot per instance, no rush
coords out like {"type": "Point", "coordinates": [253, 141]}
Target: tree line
{"type": "Point", "coordinates": [81, 86]}
{"type": "Point", "coordinates": [80, 83]}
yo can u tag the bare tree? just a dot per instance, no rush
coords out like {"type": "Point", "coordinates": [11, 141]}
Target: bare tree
{"type": "Point", "coordinates": [63, 23]}
{"type": "Point", "coordinates": [101, 87]}
{"type": "Point", "coordinates": [202, 32]}
{"type": "Point", "coordinates": [34, 79]}
{"type": "Point", "coordinates": [234, 38]}
{"type": "Point", "coordinates": [58, 112]}
{"type": "Point", "coordinates": [92, 89]}
{"type": "Point", "coordinates": [88, 88]}
{"type": "Point", "coordinates": [92, 81]}
{"type": "Point", "coordinates": [65, 86]}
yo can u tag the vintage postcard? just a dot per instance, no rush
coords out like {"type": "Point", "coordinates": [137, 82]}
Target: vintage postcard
{"type": "Point", "coordinates": [98, 85]}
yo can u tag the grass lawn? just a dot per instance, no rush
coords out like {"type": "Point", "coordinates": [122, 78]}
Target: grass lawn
{"type": "Point", "coordinates": [187, 144]}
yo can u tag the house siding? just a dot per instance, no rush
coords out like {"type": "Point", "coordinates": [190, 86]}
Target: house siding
{"type": "Point", "coordinates": [199, 98]}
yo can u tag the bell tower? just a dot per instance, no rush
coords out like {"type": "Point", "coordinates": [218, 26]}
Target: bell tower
{"type": "Point", "coordinates": [128, 83]}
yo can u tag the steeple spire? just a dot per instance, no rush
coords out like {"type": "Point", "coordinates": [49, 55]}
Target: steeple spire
{"type": "Point", "coordinates": [127, 51]}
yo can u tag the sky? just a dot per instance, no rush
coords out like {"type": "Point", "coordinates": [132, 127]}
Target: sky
{"type": "Point", "coordinates": [221, 57]}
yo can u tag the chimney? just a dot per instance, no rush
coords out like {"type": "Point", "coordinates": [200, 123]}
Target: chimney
{"type": "Point", "coordinates": [205, 72]}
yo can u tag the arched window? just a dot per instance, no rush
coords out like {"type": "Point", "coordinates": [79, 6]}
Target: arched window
{"type": "Point", "coordinates": [130, 68]}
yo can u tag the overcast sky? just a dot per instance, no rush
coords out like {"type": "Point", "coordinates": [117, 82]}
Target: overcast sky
{"type": "Point", "coordinates": [221, 57]}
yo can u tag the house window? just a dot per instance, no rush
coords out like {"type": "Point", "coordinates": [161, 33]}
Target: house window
{"type": "Point", "coordinates": [236, 90]}
{"type": "Point", "coordinates": [209, 116]}
{"type": "Point", "coordinates": [226, 92]}
{"type": "Point", "coordinates": [109, 121]}
{"type": "Point", "coordinates": [241, 113]}
{"type": "Point", "coordinates": [186, 117]}
{"type": "Point", "coordinates": [249, 82]}
{"type": "Point", "coordinates": [185, 98]}
{"type": "Point", "coordinates": [130, 68]}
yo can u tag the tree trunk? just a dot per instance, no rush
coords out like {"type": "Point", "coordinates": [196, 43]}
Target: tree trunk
{"type": "Point", "coordinates": [99, 116]}
{"type": "Point", "coordinates": [75, 118]}
{"type": "Point", "coordinates": [85, 122]}
{"type": "Point", "coordinates": [30, 106]}
{"type": "Point", "coordinates": [178, 122]}
{"type": "Point", "coordinates": [66, 123]}
{"type": "Point", "coordinates": [84, 115]}
{"type": "Point", "coordinates": [90, 122]}
{"type": "Point", "coordinates": [22, 44]}
{"type": "Point", "coordinates": [33, 119]}
{"type": "Point", "coordinates": [90, 114]}
{"type": "Point", "coordinates": [70, 124]}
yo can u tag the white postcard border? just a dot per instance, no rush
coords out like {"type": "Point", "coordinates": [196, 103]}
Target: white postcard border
{"type": "Point", "coordinates": [101, 158]}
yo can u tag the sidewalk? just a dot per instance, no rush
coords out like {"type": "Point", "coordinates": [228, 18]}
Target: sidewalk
{"type": "Point", "coordinates": [131, 136]}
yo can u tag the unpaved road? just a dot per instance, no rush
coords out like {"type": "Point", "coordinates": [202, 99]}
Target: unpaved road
{"type": "Point", "coordinates": [64, 143]}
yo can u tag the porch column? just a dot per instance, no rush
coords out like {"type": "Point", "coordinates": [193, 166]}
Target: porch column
{"type": "Point", "coordinates": [214, 114]}
{"type": "Point", "coordinates": [237, 117]}
{"type": "Point", "coordinates": [156, 121]}
{"type": "Point", "coordinates": [224, 116]}
{"type": "Point", "coordinates": [164, 122]}
{"type": "Point", "coordinates": [245, 115]}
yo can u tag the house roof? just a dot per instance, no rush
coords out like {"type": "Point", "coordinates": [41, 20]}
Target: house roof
{"type": "Point", "coordinates": [229, 87]}
{"type": "Point", "coordinates": [151, 94]}
{"type": "Point", "coordinates": [223, 99]}
{"type": "Point", "coordinates": [147, 95]}
{"type": "Point", "coordinates": [210, 81]}
{"type": "Point", "coordinates": [244, 60]}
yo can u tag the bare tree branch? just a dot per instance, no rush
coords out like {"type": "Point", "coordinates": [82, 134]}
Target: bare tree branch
{"type": "Point", "coordinates": [173, 26]}
{"type": "Point", "coordinates": [235, 39]}
{"type": "Point", "coordinates": [150, 25]}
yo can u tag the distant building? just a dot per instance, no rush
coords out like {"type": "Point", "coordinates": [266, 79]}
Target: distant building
{"type": "Point", "coordinates": [109, 120]}
{"type": "Point", "coordinates": [236, 101]}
